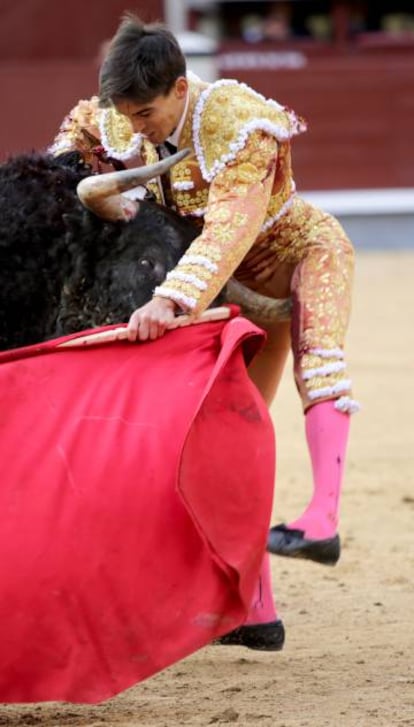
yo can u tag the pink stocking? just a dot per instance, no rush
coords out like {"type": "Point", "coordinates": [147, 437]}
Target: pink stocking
{"type": "Point", "coordinates": [327, 432]}
{"type": "Point", "coordinates": [263, 609]}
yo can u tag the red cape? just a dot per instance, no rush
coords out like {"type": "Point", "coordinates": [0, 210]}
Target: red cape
{"type": "Point", "coordinates": [136, 492]}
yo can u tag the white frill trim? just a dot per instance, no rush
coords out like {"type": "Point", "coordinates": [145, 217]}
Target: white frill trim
{"type": "Point", "coordinates": [204, 262]}
{"type": "Point", "coordinates": [347, 405]}
{"type": "Point", "coordinates": [200, 212]}
{"type": "Point", "coordinates": [284, 208]}
{"type": "Point", "coordinates": [183, 186]}
{"type": "Point", "coordinates": [330, 368]}
{"type": "Point", "coordinates": [344, 385]}
{"type": "Point", "coordinates": [259, 124]}
{"type": "Point", "coordinates": [327, 352]}
{"type": "Point", "coordinates": [132, 149]}
{"type": "Point", "coordinates": [187, 278]}
{"type": "Point", "coordinates": [176, 296]}
{"type": "Point", "coordinates": [58, 147]}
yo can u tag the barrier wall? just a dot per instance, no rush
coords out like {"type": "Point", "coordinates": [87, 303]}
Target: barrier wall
{"type": "Point", "coordinates": [359, 108]}
{"type": "Point", "coordinates": [359, 105]}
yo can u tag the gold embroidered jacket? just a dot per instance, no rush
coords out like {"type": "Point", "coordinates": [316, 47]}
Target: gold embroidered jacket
{"type": "Point", "coordinates": [237, 180]}
{"type": "Point", "coordinates": [238, 184]}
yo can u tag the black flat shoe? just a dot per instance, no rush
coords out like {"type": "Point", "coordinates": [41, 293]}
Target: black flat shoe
{"type": "Point", "coordinates": [292, 543]}
{"type": "Point", "coordinates": [263, 637]}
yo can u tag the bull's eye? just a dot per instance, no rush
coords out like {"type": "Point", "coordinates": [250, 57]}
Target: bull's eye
{"type": "Point", "coordinates": [147, 264]}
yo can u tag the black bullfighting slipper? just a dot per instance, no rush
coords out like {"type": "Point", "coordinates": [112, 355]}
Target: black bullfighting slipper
{"type": "Point", "coordinates": [263, 637]}
{"type": "Point", "coordinates": [293, 544]}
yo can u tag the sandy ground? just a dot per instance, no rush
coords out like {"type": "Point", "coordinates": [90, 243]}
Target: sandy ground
{"type": "Point", "coordinates": [348, 657]}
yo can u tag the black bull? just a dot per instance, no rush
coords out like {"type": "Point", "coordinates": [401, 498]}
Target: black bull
{"type": "Point", "coordinates": [62, 268]}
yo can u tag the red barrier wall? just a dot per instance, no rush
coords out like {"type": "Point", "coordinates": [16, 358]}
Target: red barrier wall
{"type": "Point", "coordinates": [49, 58]}
{"type": "Point", "coordinates": [60, 29]}
{"type": "Point", "coordinates": [360, 113]}
{"type": "Point", "coordinates": [359, 103]}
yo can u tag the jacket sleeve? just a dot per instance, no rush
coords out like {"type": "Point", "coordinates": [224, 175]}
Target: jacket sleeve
{"type": "Point", "coordinates": [238, 200]}
{"type": "Point", "coordinates": [79, 129]}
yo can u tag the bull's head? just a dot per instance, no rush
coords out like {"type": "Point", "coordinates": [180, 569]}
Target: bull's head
{"type": "Point", "coordinates": [104, 195]}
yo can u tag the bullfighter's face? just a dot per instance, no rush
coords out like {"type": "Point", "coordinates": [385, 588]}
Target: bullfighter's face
{"type": "Point", "coordinates": [157, 119]}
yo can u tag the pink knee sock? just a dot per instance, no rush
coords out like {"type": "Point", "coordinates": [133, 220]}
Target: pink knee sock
{"type": "Point", "coordinates": [327, 432]}
{"type": "Point", "coordinates": [263, 609]}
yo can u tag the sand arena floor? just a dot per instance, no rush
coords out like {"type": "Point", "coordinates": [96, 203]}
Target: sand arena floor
{"type": "Point", "coordinates": [348, 658]}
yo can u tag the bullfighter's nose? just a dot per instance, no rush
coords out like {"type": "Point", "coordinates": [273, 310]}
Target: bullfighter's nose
{"type": "Point", "coordinates": [138, 125]}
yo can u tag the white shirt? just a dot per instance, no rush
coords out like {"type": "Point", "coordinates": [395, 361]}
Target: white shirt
{"type": "Point", "coordinates": [173, 139]}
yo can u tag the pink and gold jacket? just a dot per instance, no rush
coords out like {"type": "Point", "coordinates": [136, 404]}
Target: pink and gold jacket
{"type": "Point", "coordinates": [237, 184]}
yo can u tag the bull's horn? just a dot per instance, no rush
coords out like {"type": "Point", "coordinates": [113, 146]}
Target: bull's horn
{"type": "Point", "coordinates": [102, 193]}
{"type": "Point", "coordinates": [262, 309]}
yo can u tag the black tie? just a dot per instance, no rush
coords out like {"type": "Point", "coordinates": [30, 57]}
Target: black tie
{"type": "Point", "coordinates": [166, 149]}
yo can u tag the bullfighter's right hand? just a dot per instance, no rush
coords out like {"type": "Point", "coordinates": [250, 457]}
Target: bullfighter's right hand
{"type": "Point", "coordinates": [152, 319]}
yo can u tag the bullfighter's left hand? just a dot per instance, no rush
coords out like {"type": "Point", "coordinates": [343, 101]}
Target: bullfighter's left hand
{"type": "Point", "coordinates": [151, 320]}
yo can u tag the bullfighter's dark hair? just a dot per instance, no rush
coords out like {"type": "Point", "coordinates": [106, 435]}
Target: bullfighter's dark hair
{"type": "Point", "coordinates": [143, 62]}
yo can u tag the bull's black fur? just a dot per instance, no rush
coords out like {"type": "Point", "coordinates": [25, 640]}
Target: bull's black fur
{"type": "Point", "coordinates": [62, 269]}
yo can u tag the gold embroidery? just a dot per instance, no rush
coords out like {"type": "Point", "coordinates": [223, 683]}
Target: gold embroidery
{"type": "Point", "coordinates": [118, 130]}
{"type": "Point", "coordinates": [189, 203]}
{"type": "Point", "coordinates": [240, 219]}
{"type": "Point", "coordinates": [149, 152]}
{"type": "Point", "coordinates": [223, 233]}
{"type": "Point", "coordinates": [251, 192]}
{"type": "Point", "coordinates": [223, 242]}
{"type": "Point", "coordinates": [70, 135]}
{"type": "Point", "coordinates": [243, 106]}
{"type": "Point", "coordinates": [220, 214]}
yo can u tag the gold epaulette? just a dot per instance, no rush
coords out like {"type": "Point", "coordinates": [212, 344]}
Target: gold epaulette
{"type": "Point", "coordinates": [117, 135]}
{"type": "Point", "coordinates": [87, 124]}
{"type": "Point", "coordinates": [226, 113]}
